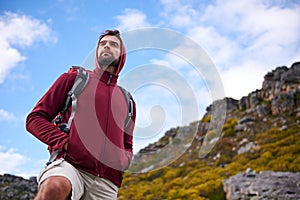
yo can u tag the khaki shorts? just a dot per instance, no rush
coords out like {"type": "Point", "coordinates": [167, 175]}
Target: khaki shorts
{"type": "Point", "coordinates": [84, 185]}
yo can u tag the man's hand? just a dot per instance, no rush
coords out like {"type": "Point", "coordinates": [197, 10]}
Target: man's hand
{"type": "Point", "coordinates": [65, 148]}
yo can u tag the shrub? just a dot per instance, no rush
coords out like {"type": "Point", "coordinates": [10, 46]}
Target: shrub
{"type": "Point", "coordinates": [228, 128]}
{"type": "Point", "coordinates": [206, 118]}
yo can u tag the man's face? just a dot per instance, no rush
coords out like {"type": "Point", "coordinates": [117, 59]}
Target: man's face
{"type": "Point", "coordinates": [109, 51]}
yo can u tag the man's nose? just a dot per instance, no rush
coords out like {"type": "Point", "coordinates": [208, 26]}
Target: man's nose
{"type": "Point", "coordinates": [106, 46]}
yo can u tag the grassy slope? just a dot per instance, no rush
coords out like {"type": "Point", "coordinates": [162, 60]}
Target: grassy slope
{"type": "Point", "coordinates": [192, 178]}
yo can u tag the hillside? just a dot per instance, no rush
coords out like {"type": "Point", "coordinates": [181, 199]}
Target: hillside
{"type": "Point", "coordinates": [261, 133]}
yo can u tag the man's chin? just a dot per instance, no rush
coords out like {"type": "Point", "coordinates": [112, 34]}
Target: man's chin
{"type": "Point", "coordinates": [108, 61]}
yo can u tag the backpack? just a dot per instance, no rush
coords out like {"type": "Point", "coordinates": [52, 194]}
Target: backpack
{"type": "Point", "coordinates": [80, 82]}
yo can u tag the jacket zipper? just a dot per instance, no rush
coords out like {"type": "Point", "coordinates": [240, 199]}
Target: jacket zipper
{"type": "Point", "coordinates": [107, 119]}
{"type": "Point", "coordinates": [109, 79]}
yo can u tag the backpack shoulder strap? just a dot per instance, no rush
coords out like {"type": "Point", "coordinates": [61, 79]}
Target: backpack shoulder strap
{"type": "Point", "coordinates": [80, 82]}
{"type": "Point", "coordinates": [129, 101]}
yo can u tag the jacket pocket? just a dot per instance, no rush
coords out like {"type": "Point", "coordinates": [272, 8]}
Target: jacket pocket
{"type": "Point", "coordinates": [77, 154]}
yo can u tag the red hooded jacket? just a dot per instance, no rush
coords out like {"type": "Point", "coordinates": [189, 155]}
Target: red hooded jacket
{"type": "Point", "coordinates": [98, 141]}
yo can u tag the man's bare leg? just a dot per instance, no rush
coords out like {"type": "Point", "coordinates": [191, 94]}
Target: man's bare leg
{"type": "Point", "coordinates": [55, 187]}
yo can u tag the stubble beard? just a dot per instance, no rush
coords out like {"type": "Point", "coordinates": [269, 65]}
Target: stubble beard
{"type": "Point", "coordinates": [105, 62]}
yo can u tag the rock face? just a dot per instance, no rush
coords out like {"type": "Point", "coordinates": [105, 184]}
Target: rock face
{"type": "Point", "coordinates": [14, 187]}
{"type": "Point", "coordinates": [281, 87]}
{"type": "Point", "coordinates": [280, 93]}
{"type": "Point", "coordinates": [263, 185]}
{"type": "Point", "coordinates": [275, 105]}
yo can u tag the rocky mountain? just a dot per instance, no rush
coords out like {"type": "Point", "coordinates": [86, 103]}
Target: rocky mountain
{"type": "Point", "coordinates": [14, 187]}
{"type": "Point", "coordinates": [261, 131]}
{"type": "Point", "coordinates": [254, 155]}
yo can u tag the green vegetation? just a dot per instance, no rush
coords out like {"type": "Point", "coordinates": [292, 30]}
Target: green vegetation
{"type": "Point", "coordinates": [228, 128]}
{"type": "Point", "coordinates": [206, 119]}
{"type": "Point", "coordinates": [192, 178]}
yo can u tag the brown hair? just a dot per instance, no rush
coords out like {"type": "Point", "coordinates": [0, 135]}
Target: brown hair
{"type": "Point", "coordinates": [113, 33]}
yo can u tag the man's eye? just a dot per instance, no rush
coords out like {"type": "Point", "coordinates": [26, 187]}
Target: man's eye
{"type": "Point", "coordinates": [114, 44]}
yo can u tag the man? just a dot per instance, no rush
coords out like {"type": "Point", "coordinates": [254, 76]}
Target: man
{"type": "Point", "coordinates": [98, 146]}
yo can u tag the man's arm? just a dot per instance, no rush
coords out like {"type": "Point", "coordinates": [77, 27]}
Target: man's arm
{"type": "Point", "coordinates": [38, 122]}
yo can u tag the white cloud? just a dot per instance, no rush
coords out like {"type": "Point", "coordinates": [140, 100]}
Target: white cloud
{"type": "Point", "coordinates": [179, 13]}
{"type": "Point", "coordinates": [220, 48]}
{"type": "Point", "coordinates": [10, 161]}
{"type": "Point", "coordinates": [257, 39]}
{"type": "Point", "coordinates": [132, 19]}
{"type": "Point", "coordinates": [245, 39]}
{"type": "Point", "coordinates": [15, 163]}
{"type": "Point", "coordinates": [19, 31]}
{"type": "Point", "coordinates": [6, 116]}
{"type": "Point", "coordinates": [240, 80]}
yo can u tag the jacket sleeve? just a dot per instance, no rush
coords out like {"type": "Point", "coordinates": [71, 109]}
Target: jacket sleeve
{"type": "Point", "coordinates": [128, 135]}
{"type": "Point", "coordinates": [38, 121]}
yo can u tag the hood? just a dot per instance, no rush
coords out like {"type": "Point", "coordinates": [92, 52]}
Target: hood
{"type": "Point", "coordinates": [122, 56]}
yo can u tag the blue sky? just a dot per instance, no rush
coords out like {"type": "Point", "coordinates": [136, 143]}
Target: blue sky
{"type": "Point", "coordinates": [242, 39]}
